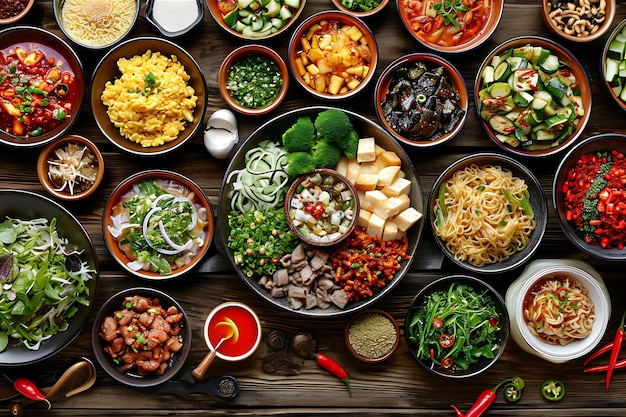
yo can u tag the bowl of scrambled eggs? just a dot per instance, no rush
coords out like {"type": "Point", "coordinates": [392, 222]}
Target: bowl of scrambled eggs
{"type": "Point", "coordinates": [148, 96]}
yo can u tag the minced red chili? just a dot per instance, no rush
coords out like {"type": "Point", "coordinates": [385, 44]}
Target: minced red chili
{"type": "Point", "coordinates": [594, 196]}
{"type": "Point", "coordinates": [10, 8]}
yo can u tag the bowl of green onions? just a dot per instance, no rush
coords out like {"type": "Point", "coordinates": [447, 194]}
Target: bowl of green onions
{"type": "Point", "coordinates": [457, 326]}
{"type": "Point", "coordinates": [361, 8]}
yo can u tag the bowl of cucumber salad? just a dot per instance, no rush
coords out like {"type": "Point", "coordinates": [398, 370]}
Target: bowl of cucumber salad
{"type": "Point", "coordinates": [533, 97]}
{"type": "Point", "coordinates": [255, 19]}
{"type": "Point", "coordinates": [613, 64]}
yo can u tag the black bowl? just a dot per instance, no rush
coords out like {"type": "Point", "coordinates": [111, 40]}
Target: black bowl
{"type": "Point", "coordinates": [502, 321]}
{"type": "Point", "coordinates": [131, 377]}
{"type": "Point", "coordinates": [594, 144]}
{"type": "Point", "coordinates": [26, 205]}
{"type": "Point", "coordinates": [537, 201]}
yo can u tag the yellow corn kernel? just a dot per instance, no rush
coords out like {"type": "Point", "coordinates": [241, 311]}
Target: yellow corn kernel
{"type": "Point", "coordinates": [343, 90]}
{"type": "Point", "coordinates": [320, 84]}
{"type": "Point", "coordinates": [304, 57]}
{"type": "Point", "coordinates": [315, 54]}
{"type": "Point", "coordinates": [357, 70]}
{"type": "Point", "coordinates": [353, 83]}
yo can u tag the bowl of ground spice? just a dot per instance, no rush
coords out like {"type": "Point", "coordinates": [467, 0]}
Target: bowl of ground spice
{"type": "Point", "coordinates": [372, 336]}
{"type": "Point", "coordinates": [253, 79]}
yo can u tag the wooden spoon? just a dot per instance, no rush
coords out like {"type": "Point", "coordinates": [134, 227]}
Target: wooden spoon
{"type": "Point", "coordinates": [201, 369]}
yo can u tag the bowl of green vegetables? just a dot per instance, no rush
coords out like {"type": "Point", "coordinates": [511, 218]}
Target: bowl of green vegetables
{"type": "Point", "coordinates": [361, 8]}
{"type": "Point", "coordinates": [457, 326]}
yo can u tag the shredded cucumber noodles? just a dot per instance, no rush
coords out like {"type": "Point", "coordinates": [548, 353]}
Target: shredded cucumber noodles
{"type": "Point", "coordinates": [43, 282]}
{"type": "Point", "coordinates": [263, 183]}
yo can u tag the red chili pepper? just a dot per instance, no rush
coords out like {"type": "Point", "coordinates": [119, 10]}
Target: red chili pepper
{"type": "Point", "coordinates": [599, 352]}
{"type": "Point", "coordinates": [487, 397]}
{"type": "Point", "coordinates": [437, 323]}
{"type": "Point", "coordinates": [617, 347]}
{"type": "Point", "coordinates": [28, 389]}
{"type": "Point", "coordinates": [446, 341]}
{"type": "Point", "coordinates": [621, 364]}
{"type": "Point", "coordinates": [334, 368]}
{"type": "Point", "coordinates": [561, 293]}
{"type": "Point", "coordinates": [447, 363]}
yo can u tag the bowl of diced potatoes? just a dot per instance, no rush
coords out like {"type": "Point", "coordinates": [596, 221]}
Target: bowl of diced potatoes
{"type": "Point", "coordinates": [325, 42]}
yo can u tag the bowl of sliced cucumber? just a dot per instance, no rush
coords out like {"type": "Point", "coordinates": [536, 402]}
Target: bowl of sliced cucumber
{"type": "Point", "coordinates": [613, 64]}
{"type": "Point", "coordinates": [533, 97]}
{"type": "Point", "coordinates": [247, 19]}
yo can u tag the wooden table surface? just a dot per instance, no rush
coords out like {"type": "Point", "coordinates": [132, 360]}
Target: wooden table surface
{"type": "Point", "coordinates": [397, 387]}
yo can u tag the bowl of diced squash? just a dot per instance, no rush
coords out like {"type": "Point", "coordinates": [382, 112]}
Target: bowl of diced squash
{"type": "Point", "coordinates": [328, 41]}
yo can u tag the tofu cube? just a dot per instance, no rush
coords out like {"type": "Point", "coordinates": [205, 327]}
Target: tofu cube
{"type": "Point", "coordinates": [342, 166]}
{"type": "Point", "coordinates": [364, 218]}
{"type": "Point", "coordinates": [366, 182]}
{"type": "Point", "coordinates": [353, 171]}
{"type": "Point", "coordinates": [407, 218]}
{"type": "Point", "coordinates": [390, 232]}
{"type": "Point", "coordinates": [366, 151]}
{"type": "Point", "coordinates": [372, 200]}
{"type": "Point", "coordinates": [389, 207]}
{"type": "Point", "coordinates": [388, 175]}
{"type": "Point", "coordinates": [389, 158]}
{"type": "Point", "coordinates": [398, 187]}
{"type": "Point", "coordinates": [375, 226]}
{"type": "Point", "coordinates": [406, 202]}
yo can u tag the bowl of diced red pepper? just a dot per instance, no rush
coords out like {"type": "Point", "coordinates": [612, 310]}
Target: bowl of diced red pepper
{"type": "Point", "coordinates": [589, 196]}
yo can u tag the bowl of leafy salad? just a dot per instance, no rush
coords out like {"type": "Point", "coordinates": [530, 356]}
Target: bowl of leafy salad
{"type": "Point", "coordinates": [361, 8]}
{"type": "Point", "coordinates": [32, 228]}
{"type": "Point", "coordinates": [457, 326]}
{"type": "Point", "coordinates": [268, 255]}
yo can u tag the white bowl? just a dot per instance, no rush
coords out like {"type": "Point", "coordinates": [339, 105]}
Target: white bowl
{"type": "Point", "coordinates": [579, 271]}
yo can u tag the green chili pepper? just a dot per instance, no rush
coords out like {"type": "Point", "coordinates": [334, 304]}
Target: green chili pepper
{"type": "Point", "coordinates": [512, 393]}
{"type": "Point", "coordinates": [553, 390]}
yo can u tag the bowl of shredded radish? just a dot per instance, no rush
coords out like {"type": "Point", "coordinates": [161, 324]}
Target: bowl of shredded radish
{"type": "Point", "coordinates": [266, 253]}
{"type": "Point", "coordinates": [158, 224]}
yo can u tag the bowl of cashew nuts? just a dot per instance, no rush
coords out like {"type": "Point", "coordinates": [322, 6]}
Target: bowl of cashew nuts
{"type": "Point", "coordinates": [579, 20]}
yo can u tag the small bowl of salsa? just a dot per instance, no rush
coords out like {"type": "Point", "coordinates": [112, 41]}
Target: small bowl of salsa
{"type": "Point", "coordinates": [322, 208]}
{"type": "Point", "coordinates": [456, 27]}
{"type": "Point", "coordinates": [51, 77]}
{"type": "Point", "coordinates": [253, 79]}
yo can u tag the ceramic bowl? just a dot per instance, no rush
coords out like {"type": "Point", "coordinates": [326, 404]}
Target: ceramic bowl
{"type": "Point", "coordinates": [306, 189]}
{"type": "Point", "coordinates": [570, 226]}
{"type": "Point", "coordinates": [97, 38]}
{"type": "Point", "coordinates": [515, 128]}
{"type": "Point", "coordinates": [28, 205]}
{"type": "Point", "coordinates": [124, 302]}
{"type": "Point", "coordinates": [116, 223]}
{"type": "Point", "coordinates": [107, 71]}
{"type": "Point", "coordinates": [237, 21]}
{"type": "Point", "coordinates": [610, 62]}
{"type": "Point", "coordinates": [357, 11]}
{"type": "Point", "coordinates": [420, 25]}
{"type": "Point", "coordinates": [319, 82]}
{"type": "Point", "coordinates": [372, 335]}
{"type": "Point", "coordinates": [239, 57]}
{"type": "Point", "coordinates": [31, 38]}
{"type": "Point", "coordinates": [537, 201]}
{"type": "Point", "coordinates": [578, 21]}
{"type": "Point", "coordinates": [392, 114]}
{"type": "Point", "coordinates": [460, 367]}
{"type": "Point", "coordinates": [19, 13]}
{"type": "Point", "coordinates": [77, 158]}
{"type": "Point", "coordinates": [174, 19]}
{"type": "Point", "coordinates": [519, 295]}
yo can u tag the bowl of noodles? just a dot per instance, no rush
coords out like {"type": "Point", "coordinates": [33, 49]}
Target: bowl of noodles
{"type": "Point", "coordinates": [500, 206]}
{"type": "Point", "coordinates": [96, 24]}
{"type": "Point", "coordinates": [148, 96]}
{"type": "Point", "coordinates": [158, 224]}
{"type": "Point", "coordinates": [558, 309]}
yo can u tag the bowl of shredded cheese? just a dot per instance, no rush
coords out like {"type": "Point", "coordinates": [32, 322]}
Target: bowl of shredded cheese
{"type": "Point", "coordinates": [96, 24]}
{"type": "Point", "coordinates": [148, 96]}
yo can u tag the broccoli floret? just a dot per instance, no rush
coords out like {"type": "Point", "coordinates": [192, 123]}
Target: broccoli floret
{"type": "Point", "coordinates": [299, 163]}
{"type": "Point", "coordinates": [352, 145]}
{"type": "Point", "coordinates": [334, 125]}
{"type": "Point", "coordinates": [300, 136]}
{"type": "Point", "coordinates": [326, 154]}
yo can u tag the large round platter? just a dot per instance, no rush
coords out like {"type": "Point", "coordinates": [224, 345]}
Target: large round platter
{"type": "Point", "coordinates": [366, 128]}
{"type": "Point", "coordinates": [26, 205]}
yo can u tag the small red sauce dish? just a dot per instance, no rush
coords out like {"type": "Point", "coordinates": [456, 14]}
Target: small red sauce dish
{"type": "Point", "coordinates": [70, 168]}
{"type": "Point", "coordinates": [424, 19]}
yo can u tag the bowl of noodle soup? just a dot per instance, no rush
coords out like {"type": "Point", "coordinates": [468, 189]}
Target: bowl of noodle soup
{"type": "Point", "coordinates": [488, 213]}
{"type": "Point", "coordinates": [558, 309]}
{"type": "Point", "coordinates": [96, 24]}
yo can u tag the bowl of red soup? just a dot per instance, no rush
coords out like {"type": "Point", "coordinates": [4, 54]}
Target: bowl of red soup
{"type": "Point", "coordinates": [44, 79]}
{"type": "Point", "coordinates": [589, 196]}
{"type": "Point", "coordinates": [450, 27]}
{"type": "Point", "coordinates": [558, 309]}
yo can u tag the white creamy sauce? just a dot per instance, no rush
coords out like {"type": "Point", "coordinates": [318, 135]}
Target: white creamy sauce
{"type": "Point", "coordinates": [175, 15]}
